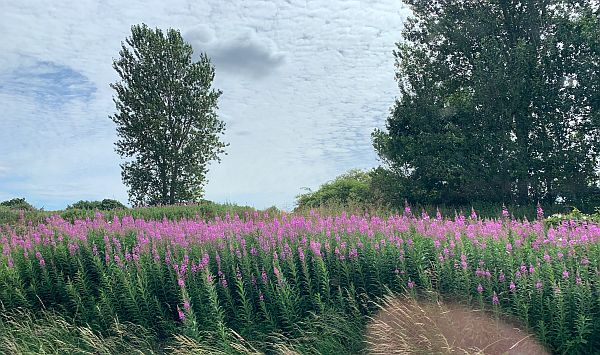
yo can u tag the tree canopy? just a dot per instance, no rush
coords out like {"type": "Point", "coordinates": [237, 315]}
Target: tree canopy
{"type": "Point", "coordinates": [499, 102]}
{"type": "Point", "coordinates": [166, 117]}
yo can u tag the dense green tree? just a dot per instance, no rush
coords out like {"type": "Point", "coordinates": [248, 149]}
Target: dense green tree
{"type": "Point", "coordinates": [166, 117]}
{"type": "Point", "coordinates": [499, 102]}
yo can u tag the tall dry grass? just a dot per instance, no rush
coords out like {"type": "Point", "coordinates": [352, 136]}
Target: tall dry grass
{"type": "Point", "coordinates": [405, 325]}
{"type": "Point", "coordinates": [23, 332]}
{"type": "Point", "coordinates": [49, 333]}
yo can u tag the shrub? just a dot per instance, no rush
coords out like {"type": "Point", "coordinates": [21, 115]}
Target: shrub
{"type": "Point", "coordinates": [8, 215]}
{"type": "Point", "coordinates": [104, 205]}
{"type": "Point", "coordinates": [18, 204]}
{"type": "Point", "coordinates": [352, 187]}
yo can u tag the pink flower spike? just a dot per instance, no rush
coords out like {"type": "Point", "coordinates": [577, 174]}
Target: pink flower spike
{"type": "Point", "coordinates": [540, 212]}
{"type": "Point", "coordinates": [501, 277]}
{"type": "Point", "coordinates": [505, 213]}
{"type": "Point", "coordinates": [495, 300]}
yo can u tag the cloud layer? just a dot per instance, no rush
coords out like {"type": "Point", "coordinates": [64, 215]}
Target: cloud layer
{"type": "Point", "coordinates": [304, 83]}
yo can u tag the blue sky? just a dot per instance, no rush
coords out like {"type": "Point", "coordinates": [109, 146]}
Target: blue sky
{"type": "Point", "coordinates": [304, 84]}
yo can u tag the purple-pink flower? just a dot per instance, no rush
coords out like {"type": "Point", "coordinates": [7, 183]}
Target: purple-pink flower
{"type": "Point", "coordinates": [181, 314]}
{"type": "Point", "coordinates": [495, 300]}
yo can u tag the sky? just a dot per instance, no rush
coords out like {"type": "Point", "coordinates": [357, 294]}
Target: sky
{"type": "Point", "coordinates": [304, 84]}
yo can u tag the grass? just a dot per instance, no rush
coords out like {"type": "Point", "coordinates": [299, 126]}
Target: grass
{"type": "Point", "coordinates": [403, 324]}
{"type": "Point", "coordinates": [47, 332]}
{"type": "Point", "coordinates": [428, 325]}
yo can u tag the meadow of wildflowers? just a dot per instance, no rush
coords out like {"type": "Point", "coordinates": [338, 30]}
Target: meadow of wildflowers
{"type": "Point", "coordinates": [259, 275]}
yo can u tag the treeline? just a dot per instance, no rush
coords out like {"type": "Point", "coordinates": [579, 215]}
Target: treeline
{"type": "Point", "coordinates": [498, 104]}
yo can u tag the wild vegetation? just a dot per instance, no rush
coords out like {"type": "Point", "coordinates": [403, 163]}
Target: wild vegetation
{"type": "Point", "coordinates": [88, 209]}
{"type": "Point", "coordinates": [269, 282]}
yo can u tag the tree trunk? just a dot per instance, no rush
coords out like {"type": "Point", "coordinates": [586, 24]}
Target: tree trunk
{"type": "Point", "coordinates": [173, 186]}
{"type": "Point", "coordinates": [164, 189]}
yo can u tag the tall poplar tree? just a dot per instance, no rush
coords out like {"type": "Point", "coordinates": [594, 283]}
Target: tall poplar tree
{"type": "Point", "coordinates": [499, 102]}
{"type": "Point", "coordinates": [166, 117]}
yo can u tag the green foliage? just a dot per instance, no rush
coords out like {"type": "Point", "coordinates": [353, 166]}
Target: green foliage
{"type": "Point", "coordinates": [352, 187]}
{"type": "Point", "coordinates": [104, 205]}
{"type": "Point", "coordinates": [498, 103]}
{"type": "Point", "coordinates": [18, 204]}
{"type": "Point", "coordinates": [380, 191]}
{"type": "Point", "coordinates": [574, 215]}
{"type": "Point", "coordinates": [166, 117]}
{"type": "Point", "coordinates": [18, 210]}
{"type": "Point", "coordinates": [8, 215]}
{"type": "Point", "coordinates": [203, 210]}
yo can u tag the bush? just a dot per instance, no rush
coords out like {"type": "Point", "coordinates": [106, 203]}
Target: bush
{"type": "Point", "coordinates": [8, 215]}
{"type": "Point", "coordinates": [352, 187]}
{"type": "Point", "coordinates": [11, 211]}
{"type": "Point", "coordinates": [18, 204]}
{"type": "Point", "coordinates": [104, 205]}
{"type": "Point", "coordinates": [204, 210]}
